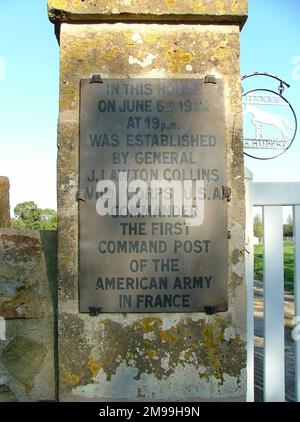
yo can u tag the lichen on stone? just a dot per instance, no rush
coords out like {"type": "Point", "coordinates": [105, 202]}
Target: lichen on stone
{"type": "Point", "coordinates": [75, 362]}
{"type": "Point", "coordinates": [198, 343]}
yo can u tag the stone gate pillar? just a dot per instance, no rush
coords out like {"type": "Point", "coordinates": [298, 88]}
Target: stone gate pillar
{"type": "Point", "coordinates": [163, 355]}
{"type": "Point", "coordinates": [4, 202]}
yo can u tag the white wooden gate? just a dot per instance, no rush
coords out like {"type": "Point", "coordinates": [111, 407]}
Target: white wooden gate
{"type": "Point", "coordinates": [272, 197]}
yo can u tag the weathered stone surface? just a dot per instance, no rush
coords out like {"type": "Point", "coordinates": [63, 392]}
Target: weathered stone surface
{"type": "Point", "coordinates": [174, 356]}
{"type": "Point", "coordinates": [200, 10]}
{"type": "Point", "coordinates": [74, 367]}
{"type": "Point", "coordinates": [21, 268]}
{"type": "Point", "coordinates": [25, 303]}
{"type": "Point", "coordinates": [6, 395]}
{"type": "Point", "coordinates": [142, 357]}
{"type": "Point", "coordinates": [20, 249]}
{"type": "Point", "coordinates": [22, 358]}
{"type": "Point", "coordinates": [26, 279]}
{"type": "Point", "coordinates": [4, 202]}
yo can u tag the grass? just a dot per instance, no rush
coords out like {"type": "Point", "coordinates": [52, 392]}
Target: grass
{"type": "Point", "coordinates": [288, 265]}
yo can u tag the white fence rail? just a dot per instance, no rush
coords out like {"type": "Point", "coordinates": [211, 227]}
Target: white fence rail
{"type": "Point", "coordinates": [272, 197]}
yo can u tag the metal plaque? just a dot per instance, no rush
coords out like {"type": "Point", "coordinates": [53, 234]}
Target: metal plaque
{"type": "Point", "coordinates": [152, 196]}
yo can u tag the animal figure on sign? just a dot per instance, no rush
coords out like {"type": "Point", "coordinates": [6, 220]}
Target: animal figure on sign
{"type": "Point", "coordinates": [262, 117]}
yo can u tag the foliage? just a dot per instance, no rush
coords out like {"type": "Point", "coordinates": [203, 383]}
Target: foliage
{"type": "Point", "coordinates": [257, 226]}
{"type": "Point", "coordinates": [288, 227]}
{"type": "Point", "coordinates": [29, 216]}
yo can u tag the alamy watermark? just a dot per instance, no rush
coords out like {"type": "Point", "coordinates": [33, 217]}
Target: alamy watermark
{"type": "Point", "coordinates": [296, 68]}
{"type": "Point", "coordinates": [162, 198]}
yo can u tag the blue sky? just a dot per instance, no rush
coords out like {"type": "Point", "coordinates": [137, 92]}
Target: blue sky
{"type": "Point", "coordinates": [270, 42]}
{"type": "Point", "coordinates": [28, 101]}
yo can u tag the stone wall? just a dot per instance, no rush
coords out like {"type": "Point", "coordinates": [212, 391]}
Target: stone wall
{"type": "Point", "coordinates": [27, 301]}
{"type": "Point", "coordinates": [166, 356]}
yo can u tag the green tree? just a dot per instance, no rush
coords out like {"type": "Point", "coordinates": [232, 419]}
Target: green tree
{"type": "Point", "coordinates": [288, 228]}
{"type": "Point", "coordinates": [257, 226]}
{"type": "Point", "coordinates": [48, 219]}
{"type": "Point", "coordinates": [29, 216]}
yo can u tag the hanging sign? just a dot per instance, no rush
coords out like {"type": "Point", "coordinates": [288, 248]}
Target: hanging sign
{"type": "Point", "coordinates": [270, 123]}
